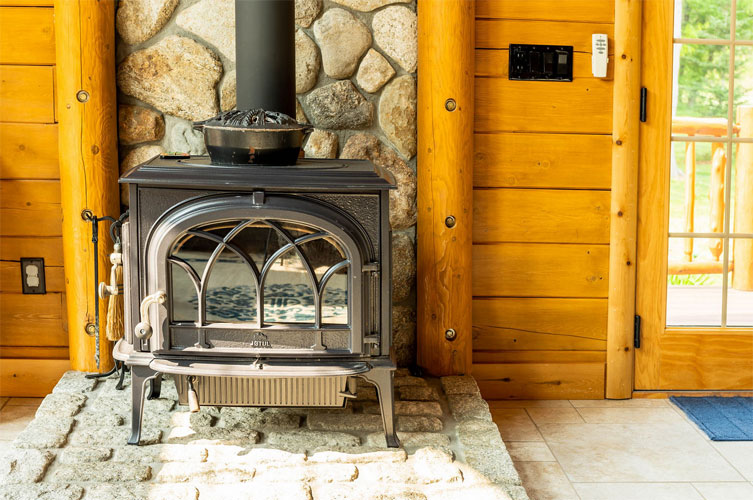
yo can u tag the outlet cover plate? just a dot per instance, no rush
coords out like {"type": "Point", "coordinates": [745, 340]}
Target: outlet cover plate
{"type": "Point", "coordinates": [32, 275]}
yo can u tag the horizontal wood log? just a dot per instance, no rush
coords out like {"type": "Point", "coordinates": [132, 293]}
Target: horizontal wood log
{"type": "Point", "coordinates": [540, 380]}
{"type": "Point", "coordinates": [27, 3]}
{"type": "Point", "coordinates": [27, 35]}
{"type": "Point", "coordinates": [715, 127]}
{"type": "Point", "coordinates": [48, 248]}
{"type": "Point", "coordinates": [33, 352]}
{"type": "Point", "coordinates": [32, 320]}
{"type": "Point", "coordinates": [30, 194]}
{"type": "Point", "coordinates": [30, 206]}
{"type": "Point", "coordinates": [539, 356]}
{"type": "Point", "coordinates": [10, 278]}
{"type": "Point", "coordinates": [499, 34]}
{"type": "Point", "coordinates": [540, 270]}
{"type": "Point", "coordinates": [595, 11]}
{"type": "Point", "coordinates": [496, 63]}
{"type": "Point", "coordinates": [18, 221]}
{"type": "Point", "coordinates": [27, 94]}
{"type": "Point", "coordinates": [513, 106]}
{"type": "Point", "coordinates": [542, 161]}
{"type": "Point", "coordinates": [29, 151]}
{"type": "Point", "coordinates": [697, 267]}
{"type": "Point", "coordinates": [30, 377]}
{"type": "Point", "coordinates": [539, 323]}
{"type": "Point", "coordinates": [540, 215]}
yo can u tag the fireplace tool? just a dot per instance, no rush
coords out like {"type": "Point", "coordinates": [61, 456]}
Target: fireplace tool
{"type": "Point", "coordinates": [102, 290]}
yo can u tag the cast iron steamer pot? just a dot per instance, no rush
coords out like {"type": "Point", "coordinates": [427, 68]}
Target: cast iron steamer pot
{"type": "Point", "coordinates": [255, 136]}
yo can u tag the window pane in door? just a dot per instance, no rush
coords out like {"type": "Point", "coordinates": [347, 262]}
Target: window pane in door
{"type": "Point", "coordinates": [741, 199]}
{"type": "Point", "coordinates": [694, 286]}
{"type": "Point", "coordinates": [697, 172]}
{"type": "Point", "coordinates": [700, 90]}
{"type": "Point", "coordinates": [744, 28]}
{"type": "Point", "coordinates": [708, 19]}
{"type": "Point", "coordinates": [740, 285]}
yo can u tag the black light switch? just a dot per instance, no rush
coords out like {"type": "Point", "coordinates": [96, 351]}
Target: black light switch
{"type": "Point", "coordinates": [541, 62]}
{"type": "Point", "coordinates": [32, 275]}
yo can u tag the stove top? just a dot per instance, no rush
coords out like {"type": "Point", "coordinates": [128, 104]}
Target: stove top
{"type": "Point", "coordinates": [308, 173]}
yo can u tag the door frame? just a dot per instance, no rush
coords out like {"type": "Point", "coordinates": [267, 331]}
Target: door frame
{"type": "Point", "coordinates": [669, 360]}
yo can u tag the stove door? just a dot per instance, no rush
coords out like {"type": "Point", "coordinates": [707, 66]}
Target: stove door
{"type": "Point", "coordinates": [262, 276]}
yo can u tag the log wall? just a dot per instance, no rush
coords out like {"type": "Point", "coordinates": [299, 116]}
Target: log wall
{"type": "Point", "coordinates": [33, 330]}
{"type": "Point", "coordinates": [541, 189]}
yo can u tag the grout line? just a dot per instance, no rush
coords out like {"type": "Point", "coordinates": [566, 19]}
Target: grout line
{"type": "Point", "coordinates": [699, 491]}
{"type": "Point", "coordinates": [557, 460]}
{"type": "Point", "coordinates": [706, 439]}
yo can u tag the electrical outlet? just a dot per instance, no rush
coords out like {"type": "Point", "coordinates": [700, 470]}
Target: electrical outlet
{"type": "Point", "coordinates": [32, 275]}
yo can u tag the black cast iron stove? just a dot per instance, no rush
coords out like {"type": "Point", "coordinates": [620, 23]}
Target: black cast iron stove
{"type": "Point", "coordinates": [258, 285]}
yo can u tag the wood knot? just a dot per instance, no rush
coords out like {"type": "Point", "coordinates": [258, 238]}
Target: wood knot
{"type": "Point", "coordinates": [619, 142]}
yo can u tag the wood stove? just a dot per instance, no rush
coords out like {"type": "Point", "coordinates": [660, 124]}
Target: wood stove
{"type": "Point", "coordinates": [258, 285]}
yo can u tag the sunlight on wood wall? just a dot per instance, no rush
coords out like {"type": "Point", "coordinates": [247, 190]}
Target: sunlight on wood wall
{"type": "Point", "coordinates": [542, 176]}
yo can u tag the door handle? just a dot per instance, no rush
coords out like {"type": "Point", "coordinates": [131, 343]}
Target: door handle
{"type": "Point", "coordinates": [144, 329]}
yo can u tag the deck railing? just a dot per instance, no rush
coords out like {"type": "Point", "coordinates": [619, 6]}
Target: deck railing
{"type": "Point", "coordinates": [742, 250]}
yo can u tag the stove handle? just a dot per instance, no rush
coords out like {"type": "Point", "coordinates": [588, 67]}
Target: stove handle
{"type": "Point", "coordinates": [144, 329]}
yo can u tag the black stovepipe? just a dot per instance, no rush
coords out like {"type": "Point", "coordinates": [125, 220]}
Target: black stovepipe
{"type": "Point", "coordinates": [265, 55]}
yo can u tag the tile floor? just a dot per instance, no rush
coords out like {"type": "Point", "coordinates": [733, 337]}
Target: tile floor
{"type": "Point", "coordinates": [620, 450]}
{"type": "Point", "coordinates": [15, 415]}
{"type": "Point", "coordinates": [642, 449]}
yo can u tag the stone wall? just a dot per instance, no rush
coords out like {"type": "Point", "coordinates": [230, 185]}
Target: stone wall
{"type": "Point", "coordinates": [356, 82]}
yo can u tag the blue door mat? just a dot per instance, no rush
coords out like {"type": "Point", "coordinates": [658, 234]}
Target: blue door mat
{"type": "Point", "coordinates": [722, 419]}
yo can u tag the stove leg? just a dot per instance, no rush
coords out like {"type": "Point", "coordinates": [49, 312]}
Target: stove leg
{"type": "Point", "coordinates": [381, 377]}
{"type": "Point", "coordinates": [140, 377]}
{"type": "Point", "coordinates": [156, 387]}
{"type": "Point", "coordinates": [123, 370]}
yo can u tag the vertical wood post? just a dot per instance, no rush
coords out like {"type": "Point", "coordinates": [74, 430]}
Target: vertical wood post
{"type": "Point", "coordinates": [742, 277]}
{"type": "Point", "coordinates": [716, 196]}
{"type": "Point", "coordinates": [689, 197]}
{"type": "Point", "coordinates": [624, 202]}
{"type": "Point", "coordinates": [446, 40]}
{"type": "Point", "coordinates": [87, 116]}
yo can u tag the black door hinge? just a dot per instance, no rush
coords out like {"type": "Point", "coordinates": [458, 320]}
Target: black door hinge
{"type": "Point", "coordinates": [637, 332]}
{"type": "Point", "coordinates": [644, 96]}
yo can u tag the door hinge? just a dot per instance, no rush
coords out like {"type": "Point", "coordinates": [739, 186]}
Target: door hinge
{"type": "Point", "coordinates": [637, 332]}
{"type": "Point", "coordinates": [644, 96]}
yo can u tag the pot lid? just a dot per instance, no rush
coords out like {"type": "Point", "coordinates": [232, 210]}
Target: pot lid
{"type": "Point", "coordinates": [251, 118]}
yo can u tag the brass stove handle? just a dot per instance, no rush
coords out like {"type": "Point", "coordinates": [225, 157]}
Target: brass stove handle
{"type": "Point", "coordinates": [144, 329]}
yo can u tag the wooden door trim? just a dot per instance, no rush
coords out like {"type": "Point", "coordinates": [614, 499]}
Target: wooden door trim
{"type": "Point", "coordinates": [624, 203]}
{"type": "Point", "coordinates": [657, 28]}
{"type": "Point", "coordinates": [446, 36]}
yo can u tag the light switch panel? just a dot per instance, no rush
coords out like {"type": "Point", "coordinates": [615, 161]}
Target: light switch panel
{"type": "Point", "coordinates": [32, 275]}
{"type": "Point", "coordinates": [599, 55]}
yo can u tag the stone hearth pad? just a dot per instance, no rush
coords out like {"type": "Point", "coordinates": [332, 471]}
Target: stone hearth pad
{"type": "Point", "coordinates": [75, 449]}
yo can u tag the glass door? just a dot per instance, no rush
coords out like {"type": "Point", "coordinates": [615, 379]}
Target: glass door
{"type": "Point", "coordinates": [695, 235]}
